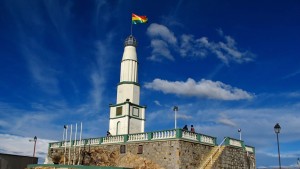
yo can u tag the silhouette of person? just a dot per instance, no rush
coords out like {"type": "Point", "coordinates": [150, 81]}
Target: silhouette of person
{"type": "Point", "coordinates": [192, 129]}
{"type": "Point", "coordinates": [108, 134]}
{"type": "Point", "coordinates": [185, 127]}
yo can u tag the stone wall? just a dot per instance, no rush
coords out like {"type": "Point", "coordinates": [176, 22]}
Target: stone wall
{"type": "Point", "coordinates": [165, 154]}
{"type": "Point", "coordinates": [235, 158]}
{"type": "Point", "coordinates": [192, 155]}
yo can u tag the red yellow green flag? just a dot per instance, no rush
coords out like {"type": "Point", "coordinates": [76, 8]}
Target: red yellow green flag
{"type": "Point", "coordinates": [139, 19]}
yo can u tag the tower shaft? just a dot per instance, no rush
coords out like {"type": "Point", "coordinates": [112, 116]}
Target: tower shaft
{"type": "Point", "coordinates": [128, 87]}
{"type": "Point", "coordinates": [127, 116]}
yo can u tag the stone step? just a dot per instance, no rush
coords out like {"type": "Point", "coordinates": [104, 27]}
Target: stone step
{"type": "Point", "coordinates": [208, 164]}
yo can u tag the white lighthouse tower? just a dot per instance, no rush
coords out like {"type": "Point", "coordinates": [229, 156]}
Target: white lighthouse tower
{"type": "Point", "coordinates": [127, 116]}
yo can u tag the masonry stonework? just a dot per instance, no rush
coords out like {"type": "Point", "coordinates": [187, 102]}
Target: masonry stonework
{"type": "Point", "coordinates": [164, 154]}
{"type": "Point", "coordinates": [235, 158]}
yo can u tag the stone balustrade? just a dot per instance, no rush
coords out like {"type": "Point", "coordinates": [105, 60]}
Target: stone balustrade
{"type": "Point", "coordinates": [234, 142]}
{"type": "Point", "coordinates": [82, 142]}
{"type": "Point", "coordinates": [55, 145]}
{"type": "Point", "coordinates": [93, 141]}
{"type": "Point", "coordinates": [138, 137]}
{"type": "Point", "coordinates": [63, 144]}
{"type": "Point", "coordinates": [207, 139]}
{"type": "Point", "coordinates": [189, 135]}
{"type": "Point", "coordinates": [113, 139]}
{"type": "Point", "coordinates": [164, 134]}
{"type": "Point", "coordinates": [156, 135]}
{"type": "Point", "coordinates": [249, 149]}
{"type": "Point", "coordinates": [74, 143]}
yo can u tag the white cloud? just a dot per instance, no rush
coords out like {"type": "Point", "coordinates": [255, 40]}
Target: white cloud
{"type": "Point", "coordinates": [183, 116]}
{"type": "Point", "coordinates": [12, 144]}
{"type": "Point", "coordinates": [155, 101]}
{"type": "Point", "coordinates": [26, 122]}
{"type": "Point", "coordinates": [226, 51]}
{"type": "Point", "coordinates": [154, 116]}
{"type": "Point", "coordinates": [160, 31]}
{"type": "Point", "coordinates": [292, 74]}
{"type": "Point", "coordinates": [292, 154]}
{"type": "Point", "coordinates": [43, 73]}
{"type": "Point", "coordinates": [96, 92]}
{"type": "Point", "coordinates": [47, 121]}
{"type": "Point", "coordinates": [163, 41]}
{"type": "Point", "coordinates": [99, 70]}
{"type": "Point", "coordinates": [160, 48]}
{"type": "Point", "coordinates": [226, 121]}
{"type": "Point", "coordinates": [204, 88]}
{"type": "Point", "coordinates": [187, 47]}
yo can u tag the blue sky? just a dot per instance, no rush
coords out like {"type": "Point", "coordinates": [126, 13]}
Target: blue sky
{"type": "Point", "coordinates": [225, 64]}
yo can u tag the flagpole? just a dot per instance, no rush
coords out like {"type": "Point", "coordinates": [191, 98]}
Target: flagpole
{"type": "Point", "coordinates": [131, 29]}
{"type": "Point", "coordinates": [75, 141]}
{"type": "Point", "coordinates": [80, 143]}
{"type": "Point", "coordinates": [70, 146]}
{"type": "Point", "coordinates": [66, 139]}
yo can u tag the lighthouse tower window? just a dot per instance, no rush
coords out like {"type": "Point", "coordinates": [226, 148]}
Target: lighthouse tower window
{"type": "Point", "coordinates": [135, 111]}
{"type": "Point", "coordinates": [119, 111]}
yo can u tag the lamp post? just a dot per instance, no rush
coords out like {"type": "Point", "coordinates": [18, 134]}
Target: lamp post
{"type": "Point", "coordinates": [240, 131]}
{"type": "Point", "coordinates": [34, 139]}
{"type": "Point", "coordinates": [175, 109]}
{"type": "Point", "coordinates": [277, 131]}
{"type": "Point", "coordinates": [65, 139]}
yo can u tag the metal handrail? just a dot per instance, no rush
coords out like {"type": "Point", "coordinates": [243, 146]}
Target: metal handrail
{"type": "Point", "coordinates": [213, 154]}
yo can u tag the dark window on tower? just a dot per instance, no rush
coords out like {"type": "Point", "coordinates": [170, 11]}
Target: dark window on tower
{"type": "Point", "coordinates": [135, 111]}
{"type": "Point", "coordinates": [140, 149]}
{"type": "Point", "coordinates": [122, 149]}
{"type": "Point", "coordinates": [119, 111]}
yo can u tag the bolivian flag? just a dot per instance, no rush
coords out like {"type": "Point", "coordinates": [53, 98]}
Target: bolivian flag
{"type": "Point", "coordinates": [139, 19]}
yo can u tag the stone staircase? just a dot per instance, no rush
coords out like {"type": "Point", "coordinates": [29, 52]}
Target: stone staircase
{"type": "Point", "coordinates": [212, 157]}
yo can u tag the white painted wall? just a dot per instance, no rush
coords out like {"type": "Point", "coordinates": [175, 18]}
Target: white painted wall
{"type": "Point", "coordinates": [128, 91]}
{"type": "Point", "coordinates": [129, 65]}
{"type": "Point", "coordinates": [123, 129]}
{"type": "Point", "coordinates": [129, 71]}
{"type": "Point", "coordinates": [128, 120]}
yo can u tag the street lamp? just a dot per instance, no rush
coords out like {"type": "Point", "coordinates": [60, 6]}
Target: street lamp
{"type": "Point", "coordinates": [175, 109]}
{"type": "Point", "coordinates": [277, 130]}
{"type": "Point", "coordinates": [34, 139]}
{"type": "Point", "coordinates": [65, 139]}
{"type": "Point", "coordinates": [240, 131]}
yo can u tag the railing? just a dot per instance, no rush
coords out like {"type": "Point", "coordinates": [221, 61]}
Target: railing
{"type": "Point", "coordinates": [234, 142]}
{"type": "Point", "coordinates": [138, 137]}
{"type": "Point", "coordinates": [250, 149]}
{"type": "Point", "coordinates": [55, 145]}
{"type": "Point", "coordinates": [210, 159]}
{"type": "Point", "coordinates": [93, 141]}
{"type": "Point", "coordinates": [163, 134]}
{"type": "Point", "coordinates": [207, 139]}
{"type": "Point", "coordinates": [189, 135]}
{"type": "Point", "coordinates": [113, 139]}
{"type": "Point", "coordinates": [156, 135]}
